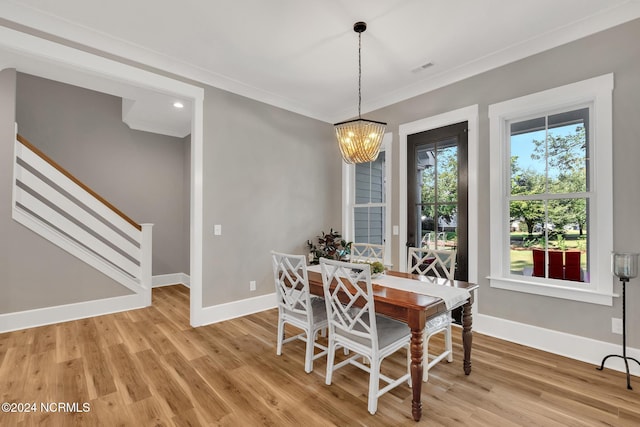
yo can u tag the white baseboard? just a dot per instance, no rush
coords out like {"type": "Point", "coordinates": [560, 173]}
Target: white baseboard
{"type": "Point", "coordinates": [170, 279]}
{"type": "Point", "coordinates": [572, 346]}
{"type": "Point", "coordinates": [64, 313]}
{"type": "Point", "coordinates": [231, 310]}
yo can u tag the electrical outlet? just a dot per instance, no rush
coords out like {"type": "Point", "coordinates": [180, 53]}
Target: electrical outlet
{"type": "Point", "coordinates": [616, 325]}
{"type": "Point", "coordinates": [252, 285]}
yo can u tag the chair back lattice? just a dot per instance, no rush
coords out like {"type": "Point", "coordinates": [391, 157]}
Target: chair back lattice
{"type": "Point", "coordinates": [344, 284]}
{"type": "Point", "coordinates": [292, 284]}
{"type": "Point", "coordinates": [431, 262]}
{"type": "Point", "coordinates": [367, 252]}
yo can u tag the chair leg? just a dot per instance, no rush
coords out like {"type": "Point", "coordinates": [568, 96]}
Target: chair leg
{"type": "Point", "coordinates": [448, 344]}
{"type": "Point", "coordinates": [280, 336]}
{"type": "Point", "coordinates": [308, 359]}
{"type": "Point", "coordinates": [374, 381]}
{"type": "Point", "coordinates": [331, 353]}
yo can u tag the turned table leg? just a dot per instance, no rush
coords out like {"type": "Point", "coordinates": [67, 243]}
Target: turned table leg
{"type": "Point", "coordinates": [416, 373]}
{"type": "Point", "coordinates": [467, 336]}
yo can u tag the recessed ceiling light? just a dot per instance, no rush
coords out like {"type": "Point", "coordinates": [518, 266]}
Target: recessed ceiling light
{"type": "Point", "coordinates": [178, 104]}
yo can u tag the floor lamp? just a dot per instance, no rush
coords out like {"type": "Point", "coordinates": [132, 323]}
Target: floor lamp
{"type": "Point", "coordinates": [625, 266]}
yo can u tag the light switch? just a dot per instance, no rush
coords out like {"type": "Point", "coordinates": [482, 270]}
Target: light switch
{"type": "Point", "coordinates": [395, 230]}
{"type": "Point", "coordinates": [217, 229]}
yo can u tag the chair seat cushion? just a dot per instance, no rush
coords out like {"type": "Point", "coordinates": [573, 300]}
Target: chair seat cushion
{"type": "Point", "coordinates": [437, 322]}
{"type": "Point", "coordinates": [319, 311]}
{"type": "Point", "coordinates": [389, 331]}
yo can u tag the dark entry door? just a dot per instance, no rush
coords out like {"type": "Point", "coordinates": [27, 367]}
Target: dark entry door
{"type": "Point", "coordinates": [437, 186]}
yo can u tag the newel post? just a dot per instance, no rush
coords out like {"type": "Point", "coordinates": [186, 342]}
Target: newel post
{"type": "Point", "coordinates": [146, 253]}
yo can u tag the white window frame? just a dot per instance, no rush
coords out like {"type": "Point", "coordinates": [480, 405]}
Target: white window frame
{"type": "Point", "coordinates": [596, 92]}
{"type": "Point", "coordinates": [348, 198]}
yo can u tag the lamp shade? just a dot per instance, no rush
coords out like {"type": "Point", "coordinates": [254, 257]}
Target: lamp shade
{"type": "Point", "coordinates": [624, 265]}
{"type": "Point", "coordinates": [359, 140]}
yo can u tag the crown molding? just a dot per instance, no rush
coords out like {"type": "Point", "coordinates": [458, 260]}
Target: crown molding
{"type": "Point", "coordinates": [91, 39]}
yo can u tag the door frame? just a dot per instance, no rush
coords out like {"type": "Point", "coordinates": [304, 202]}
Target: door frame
{"type": "Point", "coordinates": [470, 115]}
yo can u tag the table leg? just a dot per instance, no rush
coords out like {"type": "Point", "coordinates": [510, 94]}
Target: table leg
{"type": "Point", "coordinates": [416, 373]}
{"type": "Point", "coordinates": [467, 336]}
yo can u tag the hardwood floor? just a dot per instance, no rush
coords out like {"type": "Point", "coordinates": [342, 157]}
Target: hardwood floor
{"type": "Point", "coordinates": [148, 367]}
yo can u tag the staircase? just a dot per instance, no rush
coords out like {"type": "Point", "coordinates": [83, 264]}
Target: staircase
{"type": "Point", "coordinates": [54, 204]}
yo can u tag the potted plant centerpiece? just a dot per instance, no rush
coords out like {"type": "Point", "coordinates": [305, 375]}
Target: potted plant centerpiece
{"type": "Point", "coordinates": [329, 245]}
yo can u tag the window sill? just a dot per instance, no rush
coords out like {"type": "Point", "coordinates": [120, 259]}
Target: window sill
{"type": "Point", "coordinates": [573, 294]}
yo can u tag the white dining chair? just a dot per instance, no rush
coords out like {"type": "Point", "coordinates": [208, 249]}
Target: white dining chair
{"type": "Point", "coordinates": [366, 252]}
{"type": "Point", "coordinates": [357, 327]}
{"type": "Point", "coordinates": [296, 306]}
{"type": "Point", "coordinates": [439, 263]}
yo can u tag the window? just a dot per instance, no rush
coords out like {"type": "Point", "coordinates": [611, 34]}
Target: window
{"type": "Point", "coordinates": [365, 217]}
{"type": "Point", "coordinates": [551, 186]}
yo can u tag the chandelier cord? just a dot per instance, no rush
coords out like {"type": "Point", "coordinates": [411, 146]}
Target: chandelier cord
{"type": "Point", "coordinates": [359, 73]}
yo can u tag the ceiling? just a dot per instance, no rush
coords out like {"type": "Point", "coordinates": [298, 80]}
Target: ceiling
{"type": "Point", "coordinates": [301, 55]}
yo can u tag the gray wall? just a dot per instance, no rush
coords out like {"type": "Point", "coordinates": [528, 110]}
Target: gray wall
{"type": "Point", "coordinates": [36, 273]}
{"type": "Point", "coordinates": [616, 50]}
{"type": "Point", "coordinates": [272, 179]}
{"type": "Point", "coordinates": [140, 173]}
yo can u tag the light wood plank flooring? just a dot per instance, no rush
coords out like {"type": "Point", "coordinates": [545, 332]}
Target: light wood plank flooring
{"type": "Point", "coordinates": [148, 367]}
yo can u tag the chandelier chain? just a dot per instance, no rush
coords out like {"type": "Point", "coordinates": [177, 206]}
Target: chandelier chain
{"type": "Point", "coordinates": [359, 73]}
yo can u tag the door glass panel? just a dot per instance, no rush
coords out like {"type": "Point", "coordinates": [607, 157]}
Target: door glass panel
{"type": "Point", "coordinates": [426, 223]}
{"type": "Point", "coordinates": [426, 162]}
{"type": "Point", "coordinates": [447, 226]}
{"type": "Point", "coordinates": [447, 174]}
{"type": "Point", "coordinates": [438, 171]}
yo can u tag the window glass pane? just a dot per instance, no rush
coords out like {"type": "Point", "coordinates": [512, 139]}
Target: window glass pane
{"type": "Point", "coordinates": [447, 188]}
{"type": "Point", "coordinates": [377, 179]}
{"type": "Point", "coordinates": [567, 153]}
{"type": "Point", "coordinates": [370, 181]}
{"type": "Point", "coordinates": [526, 232]}
{"type": "Point", "coordinates": [363, 183]}
{"type": "Point", "coordinates": [369, 225]}
{"type": "Point", "coordinates": [361, 225]}
{"type": "Point", "coordinates": [528, 162]}
{"type": "Point", "coordinates": [568, 236]}
{"type": "Point", "coordinates": [376, 225]}
{"type": "Point", "coordinates": [556, 249]}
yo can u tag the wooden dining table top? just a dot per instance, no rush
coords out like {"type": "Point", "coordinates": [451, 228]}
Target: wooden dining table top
{"type": "Point", "coordinates": [430, 305]}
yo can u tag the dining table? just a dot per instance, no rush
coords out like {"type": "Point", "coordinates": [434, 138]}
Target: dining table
{"type": "Point", "coordinates": [415, 309]}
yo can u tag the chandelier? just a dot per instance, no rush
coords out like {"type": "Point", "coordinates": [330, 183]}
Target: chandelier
{"type": "Point", "coordinates": [359, 140]}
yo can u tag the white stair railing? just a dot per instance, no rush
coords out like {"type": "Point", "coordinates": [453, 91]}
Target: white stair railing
{"type": "Point", "coordinates": [53, 203]}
